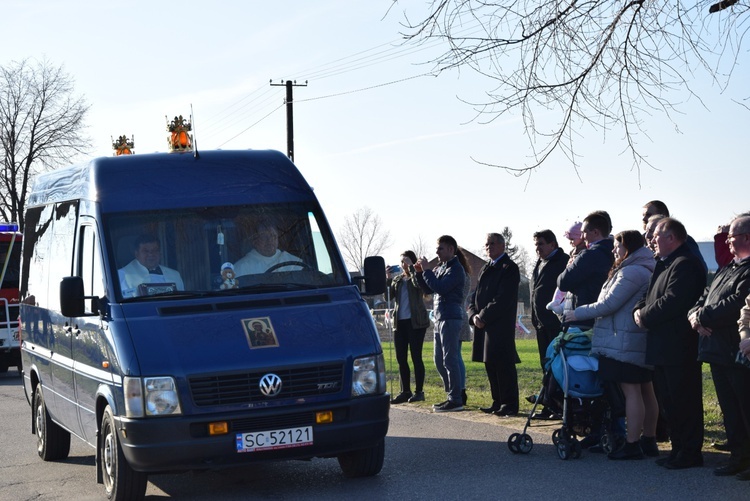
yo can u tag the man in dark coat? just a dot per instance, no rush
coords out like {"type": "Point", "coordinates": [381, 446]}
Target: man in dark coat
{"type": "Point", "coordinates": [552, 261]}
{"type": "Point", "coordinates": [672, 346]}
{"type": "Point", "coordinates": [583, 279]}
{"type": "Point", "coordinates": [492, 312]}
{"type": "Point", "coordinates": [714, 317]}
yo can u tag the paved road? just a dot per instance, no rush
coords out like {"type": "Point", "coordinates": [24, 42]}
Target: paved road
{"type": "Point", "coordinates": [428, 456]}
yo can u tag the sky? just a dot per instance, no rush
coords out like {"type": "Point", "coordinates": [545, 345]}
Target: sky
{"type": "Point", "coordinates": [371, 127]}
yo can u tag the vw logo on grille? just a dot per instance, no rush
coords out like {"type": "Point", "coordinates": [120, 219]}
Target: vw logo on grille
{"type": "Point", "coordinates": [270, 385]}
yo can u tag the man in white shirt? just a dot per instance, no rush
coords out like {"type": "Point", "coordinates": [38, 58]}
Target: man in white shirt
{"type": "Point", "coordinates": [266, 254]}
{"type": "Point", "coordinates": [145, 268]}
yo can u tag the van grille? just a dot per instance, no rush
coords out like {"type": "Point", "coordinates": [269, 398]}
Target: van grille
{"type": "Point", "coordinates": [241, 388]}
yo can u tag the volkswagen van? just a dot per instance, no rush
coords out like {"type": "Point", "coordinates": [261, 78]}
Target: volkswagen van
{"type": "Point", "coordinates": [191, 365]}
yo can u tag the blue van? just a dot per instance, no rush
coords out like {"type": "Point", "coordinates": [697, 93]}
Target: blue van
{"type": "Point", "coordinates": [185, 311]}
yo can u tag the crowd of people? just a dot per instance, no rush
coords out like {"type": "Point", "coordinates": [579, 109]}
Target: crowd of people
{"type": "Point", "coordinates": [644, 297]}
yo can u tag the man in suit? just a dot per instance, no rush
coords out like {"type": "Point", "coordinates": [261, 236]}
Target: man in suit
{"type": "Point", "coordinates": [146, 268]}
{"type": "Point", "coordinates": [714, 317]}
{"type": "Point", "coordinates": [552, 261]}
{"type": "Point", "coordinates": [672, 344]}
{"type": "Point", "coordinates": [492, 312]}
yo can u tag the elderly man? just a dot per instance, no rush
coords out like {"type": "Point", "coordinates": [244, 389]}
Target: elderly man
{"type": "Point", "coordinates": [714, 317]}
{"type": "Point", "coordinates": [266, 255]}
{"type": "Point", "coordinates": [146, 268]}
{"type": "Point", "coordinates": [672, 344]}
{"type": "Point", "coordinates": [492, 312]}
{"type": "Point", "coordinates": [658, 207]}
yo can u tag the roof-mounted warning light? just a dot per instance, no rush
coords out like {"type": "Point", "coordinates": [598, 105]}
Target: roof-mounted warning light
{"type": "Point", "coordinates": [123, 146]}
{"type": "Point", "coordinates": [180, 139]}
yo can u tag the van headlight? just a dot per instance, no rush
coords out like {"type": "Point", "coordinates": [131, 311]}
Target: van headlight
{"type": "Point", "coordinates": [368, 376]}
{"type": "Point", "coordinates": [154, 396]}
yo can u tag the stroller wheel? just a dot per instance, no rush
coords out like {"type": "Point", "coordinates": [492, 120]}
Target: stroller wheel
{"type": "Point", "coordinates": [514, 443]}
{"type": "Point", "coordinates": [563, 449]}
{"type": "Point", "coordinates": [525, 443]}
{"type": "Point", "coordinates": [556, 436]}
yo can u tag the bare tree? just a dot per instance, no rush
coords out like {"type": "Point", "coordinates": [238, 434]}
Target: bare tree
{"type": "Point", "coordinates": [363, 235]}
{"type": "Point", "coordinates": [596, 64]}
{"type": "Point", "coordinates": [41, 126]}
{"type": "Point", "coordinates": [420, 247]}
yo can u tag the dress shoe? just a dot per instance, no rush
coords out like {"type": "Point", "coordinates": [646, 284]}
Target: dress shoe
{"type": "Point", "coordinates": [417, 397]}
{"type": "Point", "coordinates": [402, 397]}
{"type": "Point", "coordinates": [505, 411]}
{"type": "Point", "coordinates": [684, 461]}
{"type": "Point", "coordinates": [649, 446]}
{"type": "Point", "coordinates": [666, 459]}
{"type": "Point", "coordinates": [732, 467]}
{"type": "Point", "coordinates": [720, 446]}
{"type": "Point", "coordinates": [489, 410]}
{"type": "Point", "coordinates": [631, 450]}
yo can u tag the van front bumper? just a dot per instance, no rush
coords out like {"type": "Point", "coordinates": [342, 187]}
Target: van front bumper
{"type": "Point", "coordinates": [180, 443]}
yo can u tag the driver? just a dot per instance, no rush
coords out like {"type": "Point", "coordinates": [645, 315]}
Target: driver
{"type": "Point", "coordinates": [265, 253]}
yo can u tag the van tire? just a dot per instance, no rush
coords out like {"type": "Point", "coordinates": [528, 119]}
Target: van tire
{"type": "Point", "coordinates": [52, 441]}
{"type": "Point", "coordinates": [364, 462]}
{"type": "Point", "coordinates": [120, 480]}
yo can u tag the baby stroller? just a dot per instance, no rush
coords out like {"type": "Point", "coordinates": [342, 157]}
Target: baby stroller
{"type": "Point", "coordinates": [572, 389]}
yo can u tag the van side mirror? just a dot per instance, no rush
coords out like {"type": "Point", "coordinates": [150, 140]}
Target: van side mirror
{"type": "Point", "coordinates": [374, 275]}
{"type": "Point", "coordinates": [72, 297]}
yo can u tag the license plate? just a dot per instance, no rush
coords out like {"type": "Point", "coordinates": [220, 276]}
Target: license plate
{"type": "Point", "coordinates": [274, 439]}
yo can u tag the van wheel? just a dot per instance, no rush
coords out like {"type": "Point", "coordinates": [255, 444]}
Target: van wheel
{"type": "Point", "coordinates": [120, 480]}
{"type": "Point", "coordinates": [363, 463]}
{"type": "Point", "coordinates": [52, 442]}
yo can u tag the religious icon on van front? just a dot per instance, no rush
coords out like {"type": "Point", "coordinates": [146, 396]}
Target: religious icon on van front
{"type": "Point", "coordinates": [259, 332]}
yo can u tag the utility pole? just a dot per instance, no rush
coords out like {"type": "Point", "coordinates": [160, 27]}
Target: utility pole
{"type": "Point", "coordinates": [289, 114]}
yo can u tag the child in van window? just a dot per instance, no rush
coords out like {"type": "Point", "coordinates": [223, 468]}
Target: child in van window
{"type": "Point", "coordinates": [575, 237]}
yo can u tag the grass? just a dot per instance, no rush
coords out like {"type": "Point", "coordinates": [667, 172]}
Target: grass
{"type": "Point", "coordinates": [529, 383]}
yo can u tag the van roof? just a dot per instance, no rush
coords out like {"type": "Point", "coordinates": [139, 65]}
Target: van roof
{"type": "Point", "coordinates": [170, 180]}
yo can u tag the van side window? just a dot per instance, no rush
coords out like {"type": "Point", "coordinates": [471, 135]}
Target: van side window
{"type": "Point", "coordinates": [51, 235]}
{"type": "Point", "coordinates": [89, 266]}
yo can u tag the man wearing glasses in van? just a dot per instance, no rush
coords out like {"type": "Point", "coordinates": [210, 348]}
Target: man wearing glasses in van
{"type": "Point", "coordinates": [145, 268]}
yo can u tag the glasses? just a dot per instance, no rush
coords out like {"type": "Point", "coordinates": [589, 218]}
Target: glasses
{"type": "Point", "coordinates": [732, 238]}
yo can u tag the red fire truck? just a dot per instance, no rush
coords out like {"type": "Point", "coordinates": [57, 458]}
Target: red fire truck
{"type": "Point", "coordinates": [10, 260]}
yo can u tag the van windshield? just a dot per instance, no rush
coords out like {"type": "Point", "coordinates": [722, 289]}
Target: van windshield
{"type": "Point", "coordinates": [222, 250]}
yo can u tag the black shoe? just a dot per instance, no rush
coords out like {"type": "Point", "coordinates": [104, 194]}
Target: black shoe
{"type": "Point", "coordinates": [449, 407]}
{"type": "Point", "coordinates": [402, 397]}
{"type": "Point", "coordinates": [505, 411]}
{"type": "Point", "coordinates": [464, 397]}
{"type": "Point", "coordinates": [531, 399]}
{"type": "Point", "coordinates": [732, 467]}
{"type": "Point", "coordinates": [721, 446]}
{"type": "Point", "coordinates": [631, 450]}
{"type": "Point", "coordinates": [417, 397]}
{"type": "Point", "coordinates": [666, 459]}
{"type": "Point", "coordinates": [684, 461]}
{"type": "Point", "coordinates": [435, 406]}
{"type": "Point", "coordinates": [590, 441]}
{"type": "Point", "coordinates": [649, 446]}
{"type": "Point", "coordinates": [489, 410]}
{"type": "Point", "coordinates": [545, 415]}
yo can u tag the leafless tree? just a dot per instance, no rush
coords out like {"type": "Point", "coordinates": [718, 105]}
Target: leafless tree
{"type": "Point", "coordinates": [41, 126]}
{"type": "Point", "coordinates": [604, 65]}
{"type": "Point", "coordinates": [420, 247]}
{"type": "Point", "coordinates": [363, 235]}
